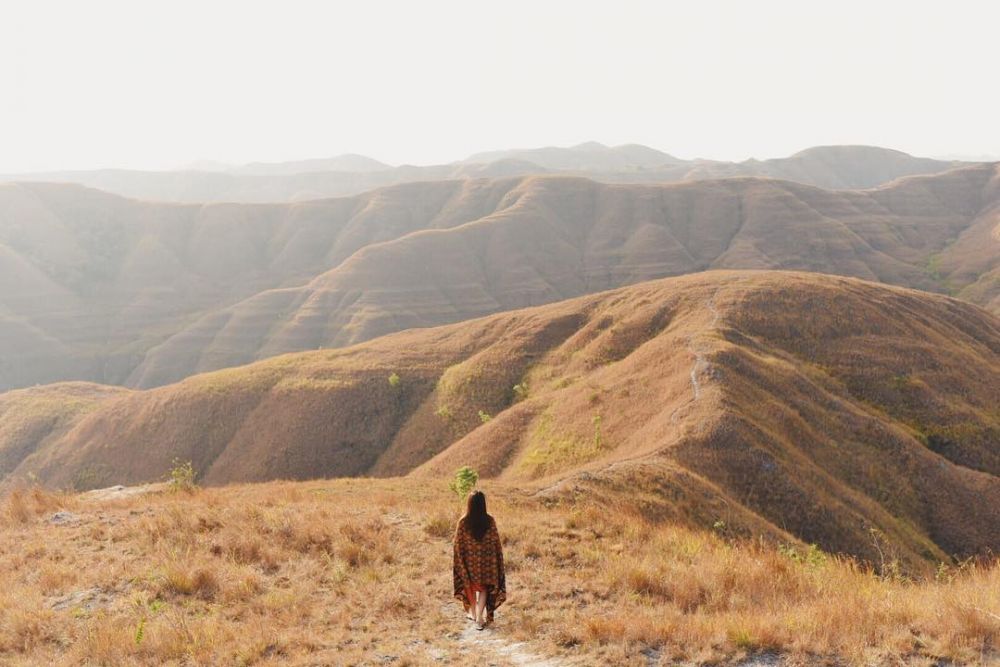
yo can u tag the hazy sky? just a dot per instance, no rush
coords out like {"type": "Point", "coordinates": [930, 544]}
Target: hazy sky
{"type": "Point", "coordinates": [147, 84]}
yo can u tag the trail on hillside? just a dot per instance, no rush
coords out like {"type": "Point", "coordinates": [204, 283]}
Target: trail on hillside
{"type": "Point", "coordinates": [698, 369]}
{"type": "Point", "coordinates": [489, 641]}
{"type": "Point", "coordinates": [700, 364]}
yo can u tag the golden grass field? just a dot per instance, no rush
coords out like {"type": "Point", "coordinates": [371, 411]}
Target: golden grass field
{"type": "Point", "coordinates": [358, 572]}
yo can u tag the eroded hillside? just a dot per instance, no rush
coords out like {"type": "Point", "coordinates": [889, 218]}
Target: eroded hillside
{"type": "Point", "coordinates": [112, 290]}
{"type": "Point", "coordinates": [557, 238]}
{"type": "Point", "coordinates": [775, 402]}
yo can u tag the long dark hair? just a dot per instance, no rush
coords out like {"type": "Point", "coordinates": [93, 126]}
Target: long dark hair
{"type": "Point", "coordinates": [476, 518]}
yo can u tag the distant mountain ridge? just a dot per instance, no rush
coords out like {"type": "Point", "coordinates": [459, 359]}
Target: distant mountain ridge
{"type": "Point", "coordinates": [349, 162]}
{"type": "Point", "coordinates": [830, 167]}
{"type": "Point", "coordinates": [590, 156]}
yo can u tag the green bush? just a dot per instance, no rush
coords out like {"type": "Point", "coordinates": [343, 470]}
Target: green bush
{"type": "Point", "coordinates": [812, 557]}
{"type": "Point", "coordinates": [465, 480]}
{"type": "Point", "coordinates": [182, 476]}
{"type": "Point", "coordinates": [394, 380]}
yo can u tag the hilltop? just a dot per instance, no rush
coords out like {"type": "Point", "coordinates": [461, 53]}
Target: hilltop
{"type": "Point", "coordinates": [782, 404]}
{"type": "Point", "coordinates": [101, 288]}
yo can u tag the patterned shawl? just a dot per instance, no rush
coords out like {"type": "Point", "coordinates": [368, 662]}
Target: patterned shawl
{"type": "Point", "coordinates": [479, 562]}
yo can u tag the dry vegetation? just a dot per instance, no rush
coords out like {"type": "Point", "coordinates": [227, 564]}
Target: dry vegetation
{"type": "Point", "coordinates": [789, 405]}
{"type": "Point", "coordinates": [243, 287]}
{"type": "Point", "coordinates": [358, 572]}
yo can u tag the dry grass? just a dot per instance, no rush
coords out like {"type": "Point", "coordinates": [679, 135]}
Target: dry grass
{"type": "Point", "coordinates": [359, 572]}
{"type": "Point", "coordinates": [26, 504]}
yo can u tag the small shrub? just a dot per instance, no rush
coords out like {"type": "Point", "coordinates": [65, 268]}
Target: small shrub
{"type": "Point", "coordinates": [394, 380]}
{"type": "Point", "coordinates": [23, 505]}
{"type": "Point", "coordinates": [465, 480]}
{"type": "Point", "coordinates": [355, 555]}
{"type": "Point", "coordinates": [813, 556]}
{"type": "Point", "coordinates": [643, 581]}
{"type": "Point", "coordinates": [521, 391]}
{"type": "Point", "coordinates": [484, 416]}
{"type": "Point", "coordinates": [439, 526]}
{"type": "Point", "coordinates": [182, 476]}
{"type": "Point", "coordinates": [201, 582]}
{"type": "Point", "coordinates": [743, 639]}
{"type": "Point", "coordinates": [17, 509]}
{"type": "Point", "coordinates": [444, 412]}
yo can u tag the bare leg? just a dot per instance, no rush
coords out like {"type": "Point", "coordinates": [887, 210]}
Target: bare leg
{"type": "Point", "coordinates": [480, 608]}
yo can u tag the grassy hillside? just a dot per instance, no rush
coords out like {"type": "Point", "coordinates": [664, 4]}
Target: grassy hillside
{"type": "Point", "coordinates": [99, 288]}
{"type": "Point", "coordinates": [31, 419]}
{"type": "Point", "coordinates": [354, 572]}
{"type": "Point", "coordinates": [89, 282]}
{"type": "Point", "coordinates": [842, 412]}
{"type": "Point", "coordinates": [555, 238]}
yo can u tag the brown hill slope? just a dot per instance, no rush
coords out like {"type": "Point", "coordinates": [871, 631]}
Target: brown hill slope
{"type": "Point", "coordinates": [90, 281]}
{"type": "Point", "coordinates": [99, 288]}
{"type": "Point", "coordinates": [771, 401]}
{"type": "Point", "coordinates": [834, 167]}
{"type": "Point", "coordinates": [31, 419]}
{"type": "Point", "coordinates": [558, 237]}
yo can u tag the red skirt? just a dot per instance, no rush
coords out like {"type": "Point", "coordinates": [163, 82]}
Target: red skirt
{"type": "Point", "coordinates": [470, 593]}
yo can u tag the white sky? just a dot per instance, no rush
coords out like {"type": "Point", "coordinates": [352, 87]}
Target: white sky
{"type": "Point", "coordinates": [150, 84]}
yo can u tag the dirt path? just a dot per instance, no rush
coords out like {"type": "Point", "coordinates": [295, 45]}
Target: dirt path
{"type": "Point", "coordinates": [119, 491]}
{"type": "Point", "coordinates": [700, 364]}
{"type": "Point", "coordinates": [490, 641]}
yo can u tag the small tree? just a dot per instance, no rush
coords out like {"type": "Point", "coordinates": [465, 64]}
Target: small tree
{"type": "Point", "coordinates": [182, 476]}
{"type": "Point", "coordinates": [465, 480]}
{"type": "Point", "coordinates": [394, 380]}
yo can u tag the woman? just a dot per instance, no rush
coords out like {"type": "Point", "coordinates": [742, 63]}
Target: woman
{"type": "Point", "coordinates": [478, 564]}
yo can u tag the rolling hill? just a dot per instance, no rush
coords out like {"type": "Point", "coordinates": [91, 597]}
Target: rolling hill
{"type": "Point", "coordinates": [32, 418]}
{"type": "Point", "coordinates": [847, 413]}
{"type": "Point", "coordinates": [342, 163]}
{"type": "Point", "coordinates": [590, 156]}
{"type": "Point", "coordinates": [831, 167]}
{"type": "Point", "coordinates": [553, 238]}
{"type": "Point", "coordinates": [90, 281]}
{"type": "Point", "coordinates": [100, 288]}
